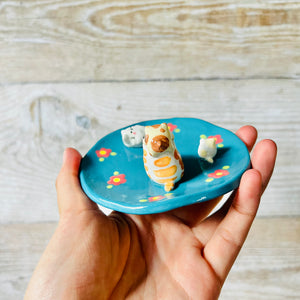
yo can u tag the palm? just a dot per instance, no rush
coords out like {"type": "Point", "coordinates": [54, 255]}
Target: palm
{"type": "Point", "coordinates": [157, 257]}
{"type": "Point", "coordinates": [175, 267]}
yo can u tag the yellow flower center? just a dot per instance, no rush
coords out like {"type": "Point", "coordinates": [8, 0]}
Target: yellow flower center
{"type": "Point", "coordinates": [117, 179]}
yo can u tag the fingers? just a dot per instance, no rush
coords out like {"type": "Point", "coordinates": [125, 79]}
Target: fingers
{"type": "Point", "coordinates": [70, 196]}
{"type": "Point", "coordinates": [248, 134]}
{"type": "Point", "coordinates": [225, 244]}
{"type": "Point", "coordinates": [227, 239]}
{"type": "Point", "coordinates": [204, 230]}
{"type": "Point", "coordinates": [263, 159]}
{"type": "Point", "coordinates": [194, 214]}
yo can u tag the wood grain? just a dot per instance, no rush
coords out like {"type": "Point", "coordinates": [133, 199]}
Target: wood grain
{"type": "Point", "coordinates": [72, 71]}
{"type": "Point", "coordinates": [46, 41]}
{"type": "Point", "coordinates": [40, 120]}
{"type": "Point", "coordinates": [21, 248]}
{"type": "Point", "coordinates": [268, 266]}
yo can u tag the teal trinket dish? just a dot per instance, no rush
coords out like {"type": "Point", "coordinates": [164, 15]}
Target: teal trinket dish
{"type": "Point", "coordinates": [113, 175]}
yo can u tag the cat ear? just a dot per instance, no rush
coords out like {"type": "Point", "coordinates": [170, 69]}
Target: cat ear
{"type": "Point", "coordinates": [164, 126]}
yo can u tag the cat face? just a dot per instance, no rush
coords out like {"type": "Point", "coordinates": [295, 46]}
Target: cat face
{"type": "Point", "coordinates": [133, 136]}
{"type": "Point", "coordinates": [158, 139]}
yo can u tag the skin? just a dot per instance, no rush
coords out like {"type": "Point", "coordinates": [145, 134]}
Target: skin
{"type": "Point", "coordinates": [172, 255]}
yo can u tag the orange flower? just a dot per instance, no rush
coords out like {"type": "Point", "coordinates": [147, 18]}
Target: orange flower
{"type": "Point", "coordinates": [172, 127]}
{"type": "Point", "coordinates": [117, 180]}
{"type": "Point", "coordinates": [156, 198]}
{"type": "Point", "coordinates": [218, 173]}
{"type": "Point", "coordinates": [217, 138]}
{"type": "Point", "coordinates": [103, 152]}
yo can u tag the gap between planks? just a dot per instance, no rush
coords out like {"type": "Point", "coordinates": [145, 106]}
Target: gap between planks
{"type": "Point", "coordinates": [145, 80]}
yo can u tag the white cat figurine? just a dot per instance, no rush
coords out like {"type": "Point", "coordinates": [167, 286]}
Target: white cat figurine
{"type": "Point", "coordinates": [133, 136]}
{"type": "Point", "coordinates": [207, 149]}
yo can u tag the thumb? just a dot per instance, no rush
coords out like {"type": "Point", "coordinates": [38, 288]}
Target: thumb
{"type": "Point", "coordinates": [70, 196]}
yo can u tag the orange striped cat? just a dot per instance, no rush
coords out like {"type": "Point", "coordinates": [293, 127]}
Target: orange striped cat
{"type": "Point", "coordinates": [163, 163]}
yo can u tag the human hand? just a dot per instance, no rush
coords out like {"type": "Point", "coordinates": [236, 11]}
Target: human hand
{"type": "Point", "coordinates": [172, 255]}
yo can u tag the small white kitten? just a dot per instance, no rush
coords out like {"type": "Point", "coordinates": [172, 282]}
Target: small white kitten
{"type": "Point", "coordinates": [207, 149]}
{"type": "Point", "coordinates": [133, 136]}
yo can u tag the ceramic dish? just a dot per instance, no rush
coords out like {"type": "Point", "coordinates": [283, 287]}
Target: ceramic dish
{"type": "Point", "coordinates": [113, 175]}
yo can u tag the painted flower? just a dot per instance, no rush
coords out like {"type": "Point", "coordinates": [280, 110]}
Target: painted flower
{"type": "Point", "coordinates": [156, 198]}
{"type": "Point", "coordinates": [218, 174]}
{"type": "Point", "coordinates": [117, 179]}
{"type": "Point", "coordinates": [217, 138]}
{"type": "Point", "coordinates": [103, 152]}
{"type": "Point", "coordinates": [172, 127]}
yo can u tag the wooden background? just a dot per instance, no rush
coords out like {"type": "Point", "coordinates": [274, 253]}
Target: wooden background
{"type": "Point", "coordinates": [73, 71]}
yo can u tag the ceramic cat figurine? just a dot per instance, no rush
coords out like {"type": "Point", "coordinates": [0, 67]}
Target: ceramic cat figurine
{"type": "Point", "coordinates": [133, 136]}
{"type": "Point", "coordinates": [207, 149]}
{"type": "Point", "coordinates": [163, 163]}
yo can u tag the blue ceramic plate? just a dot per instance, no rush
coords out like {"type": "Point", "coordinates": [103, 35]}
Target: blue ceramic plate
{"type": "Point", "coordinates": [113, 175]}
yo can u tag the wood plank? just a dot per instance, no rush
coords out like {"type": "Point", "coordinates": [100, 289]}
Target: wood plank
{"type": "Point", "coordinates": [81, 40]}
{"type": "Point", "coordinates": [21, 248]}
{"type": "Point", "coordinates": [40, 120]}
{"type": "Point", "coordinates": [267, 268]}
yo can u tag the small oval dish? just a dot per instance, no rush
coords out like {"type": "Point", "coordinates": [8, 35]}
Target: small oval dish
{"type": "Point", "coordinates": [113, 175]}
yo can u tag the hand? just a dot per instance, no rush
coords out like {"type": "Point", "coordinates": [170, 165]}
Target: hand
{"type": "Point", "coordinates": [172, 255]}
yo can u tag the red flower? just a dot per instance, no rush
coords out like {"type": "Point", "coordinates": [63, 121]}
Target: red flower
{"type": "Point", "coordinates": [217, 138]}
{"type": "Point", "coordinates": [155, 198]}
{"type": "Point", "coordinates": [103, 152]}
{"type": "Point", "coordinates": [218, 173]}
{"type": "Point", "coordinates": [172, 127]}
{"type": "Point", "coordinates": [117, 180]}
